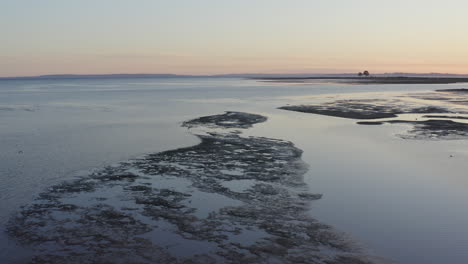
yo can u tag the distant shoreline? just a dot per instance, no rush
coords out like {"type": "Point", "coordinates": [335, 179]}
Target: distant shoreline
{"type": "Point", "coordinates": [368, 80]}
{"type": "Point", "coordinates": [94, 76]}
{"type": "Point", "coordinates": [349, 78]}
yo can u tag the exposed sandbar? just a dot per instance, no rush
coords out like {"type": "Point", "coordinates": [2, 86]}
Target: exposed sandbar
{"type": "Point", "coordinates": [369, 80]}
{"type": "Point", "coordinates": [364, 109]}
{"type": "Point", "coordinates": [435, 115]}
{"type": "Point", "coordinates": [453, 90]}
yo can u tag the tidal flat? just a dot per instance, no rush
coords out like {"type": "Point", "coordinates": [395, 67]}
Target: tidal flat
{"type": "Point", "coordinates": [368, 80]}
{"type": "Point", "coordinates": [172, 207]}
{"type": "Point", "coordinates": [441, 114]}
{"type": "Point", "coordinates": [90, 157]}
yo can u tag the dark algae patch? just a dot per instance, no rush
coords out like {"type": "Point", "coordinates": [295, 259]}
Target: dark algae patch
{"type": "Point", "coordinates": [186, 206]}
{"type": "Point", "coordinates": [435, 122]}
{"type": "Point", "coordinates": [227, 120]}
{"type": "Point", "coordinates": [357, 109]}
{"type": "Point", "coordinates": [364, 109]}
{"type": "Point", "coordinates": [446, 117]}
{"type": "Point", "coordinates": [461, 90]}
{"type": "Point", "coordinates": [441, 129]}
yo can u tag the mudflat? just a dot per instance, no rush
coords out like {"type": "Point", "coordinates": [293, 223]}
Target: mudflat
{"type": "Point", "coordinates": [364, 109]}
{"type": "Point", "coordinates": [441, 114]}
{"type": "Point", "coordinates": [229, 199]}
{"type": "Point", "coordinates": [369, 80]}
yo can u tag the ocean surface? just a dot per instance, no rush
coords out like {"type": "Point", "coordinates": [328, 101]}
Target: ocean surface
{"type": "Point", "coordinates": [404, 200]}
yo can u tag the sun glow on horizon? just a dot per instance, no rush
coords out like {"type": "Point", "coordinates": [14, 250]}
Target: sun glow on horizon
{"type": "Point", "coordinates": [218, 37]}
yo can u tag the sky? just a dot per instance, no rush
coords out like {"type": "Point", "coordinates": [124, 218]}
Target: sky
{"type": "Point", "coordinates": [232, 36]}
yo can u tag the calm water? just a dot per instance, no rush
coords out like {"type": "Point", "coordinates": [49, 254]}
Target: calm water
{"type": "Point", "coordinates": [401, 199]}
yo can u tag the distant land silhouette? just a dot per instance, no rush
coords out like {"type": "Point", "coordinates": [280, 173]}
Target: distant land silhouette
{"type": "Point", "coordinates": [235, 75]}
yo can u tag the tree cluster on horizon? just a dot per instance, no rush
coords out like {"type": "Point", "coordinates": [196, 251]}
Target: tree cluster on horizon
{"type": "Point", "coordinates": [365, 73]}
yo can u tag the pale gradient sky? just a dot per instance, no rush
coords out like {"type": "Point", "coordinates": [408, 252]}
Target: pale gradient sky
{"type": "Point", "coordinates": [232, 36]}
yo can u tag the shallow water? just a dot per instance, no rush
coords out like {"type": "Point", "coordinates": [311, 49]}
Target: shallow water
{"type": "Point", "coordinates": [401, 199]}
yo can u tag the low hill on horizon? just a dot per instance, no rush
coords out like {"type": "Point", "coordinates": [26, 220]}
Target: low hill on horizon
{"type": "Point", "coordinates": [234, 75]}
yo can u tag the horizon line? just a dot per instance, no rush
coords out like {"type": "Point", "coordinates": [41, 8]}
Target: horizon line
{"type": "Point", "coordinates": [71, 75]}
